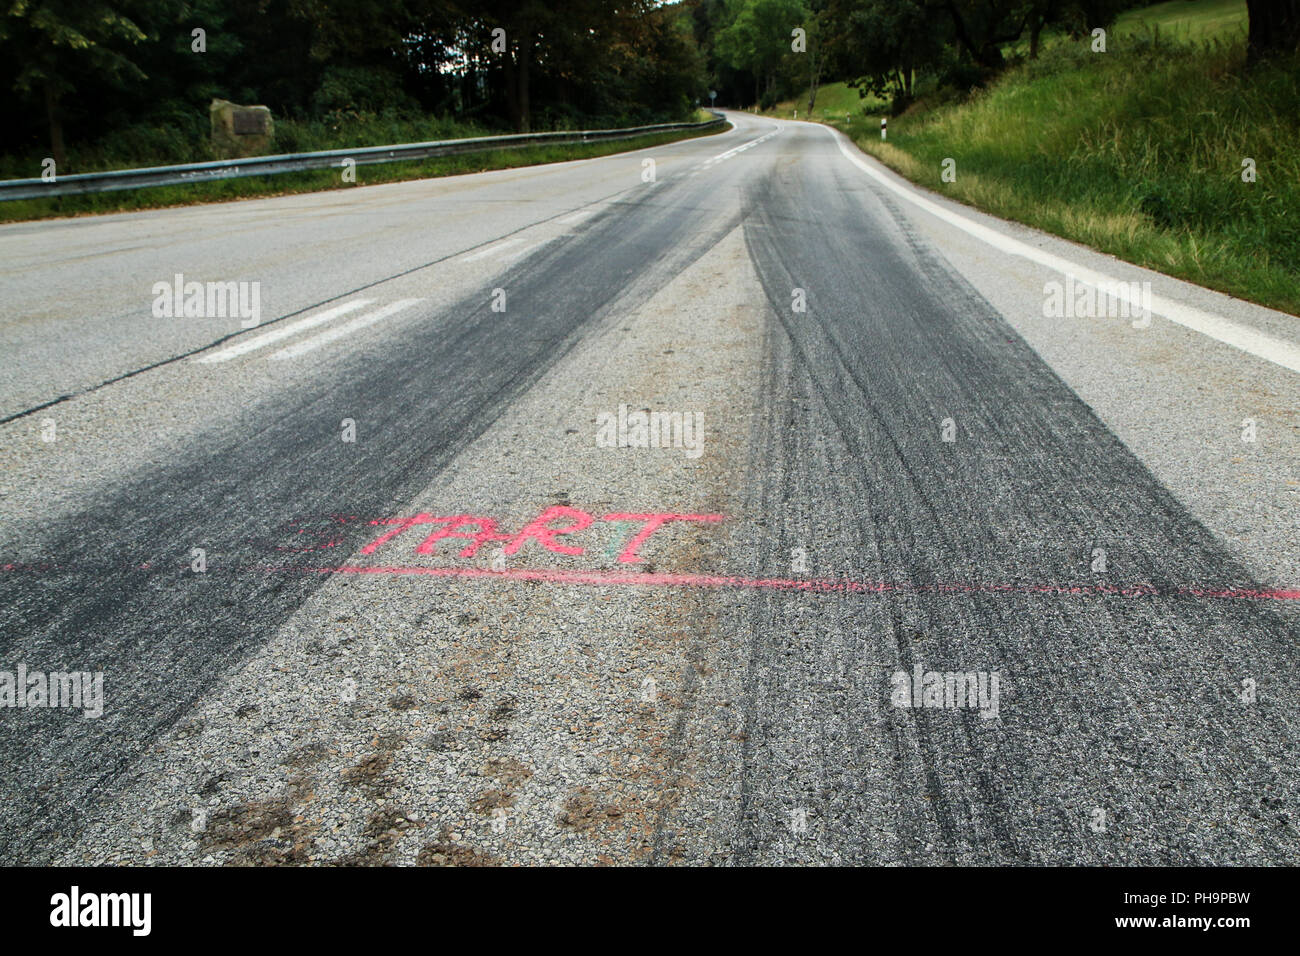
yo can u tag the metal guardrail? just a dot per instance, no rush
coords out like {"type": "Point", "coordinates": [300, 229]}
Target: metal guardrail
{"type": "Point", "coordinates": [80, 183]}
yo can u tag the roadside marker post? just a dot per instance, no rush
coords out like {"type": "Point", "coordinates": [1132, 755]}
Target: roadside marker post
{"type": "Point", "coordinates": [883, 121]}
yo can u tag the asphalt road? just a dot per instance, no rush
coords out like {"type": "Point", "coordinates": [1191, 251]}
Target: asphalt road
{"type": "Point", "coordinates": [393, 652]}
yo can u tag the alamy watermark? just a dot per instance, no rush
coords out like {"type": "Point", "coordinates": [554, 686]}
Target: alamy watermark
{"type": "Point", "coordinates": [179, 299]}
{"type": "Point", "coordinates": [647, 429]}
{"type": "Point", "coordinates": [947, 690]}
{"type": "Point", "coordinates": [76, 690]}
{"type": "Point", "coordinates": [1106, 298]}
{"type": "Point", "coordinates": [75, 908]}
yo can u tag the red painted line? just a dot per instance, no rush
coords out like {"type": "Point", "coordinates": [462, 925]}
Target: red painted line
{"type": "Point", "coordinates": [821, 585]}
{"type": "Point", "coordinates": [1275, 594]}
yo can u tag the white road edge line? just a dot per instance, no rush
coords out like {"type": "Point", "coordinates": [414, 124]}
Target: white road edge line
{"type": "Point", "coordinates": [334, 334]}
{"type": "Point", "coordinates": [275, 335]}
{"type": "Point", "coordinates": [1260, 344]}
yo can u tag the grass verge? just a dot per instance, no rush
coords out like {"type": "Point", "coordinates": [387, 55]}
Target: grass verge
{"type": "Point", "coordinates": [836, 103]}
{"type": "Point", "coordinates": [1137, 152]}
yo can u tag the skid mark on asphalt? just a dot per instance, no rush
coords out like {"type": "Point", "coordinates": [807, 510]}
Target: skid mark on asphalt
{"type": "Point", "coordinates": [478, 530]}
{"type": "Point", "coordinates": [816, 585]}
{"type": "Point", "coordinates": [449, 665]}
{"type": "Point", "coordinates": [891, 345]}
{"type": "Point", "coordinates": [169, 647]}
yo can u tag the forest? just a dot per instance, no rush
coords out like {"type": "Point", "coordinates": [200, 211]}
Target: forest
{"type": "Point", "coordinates": [135, 77]}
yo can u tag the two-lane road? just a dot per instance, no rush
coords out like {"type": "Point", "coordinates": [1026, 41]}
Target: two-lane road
{"type": "Point", "coordinates": [388, 577]}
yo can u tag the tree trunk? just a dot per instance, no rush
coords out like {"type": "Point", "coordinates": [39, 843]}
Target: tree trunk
{"type": "Point", "coordinates": [56, 128]}
{"type": "Point", "coordinates": [984, 50]}
{"type": "Point", "coordinates": [1274, 27]}
{"type": "Point", "coordinates": [525, 123]}
{"type": "Point", "coordinates": [990, 57]}
{"type": "Point", "coordinates": [512, 90]}
{"type": "Point", "coordinates": [517, 71]}
{"type": "Point", "coordinates": [1034, 32]}
{"type": "Point", "coordinates": [814, 79]}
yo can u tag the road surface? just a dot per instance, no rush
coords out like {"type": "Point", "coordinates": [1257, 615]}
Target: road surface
{"type": "Point", "coordinates": [389, 577]}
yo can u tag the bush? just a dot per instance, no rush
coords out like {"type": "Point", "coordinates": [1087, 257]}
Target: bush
{"type": "Point", "coordinates": [363, 89]}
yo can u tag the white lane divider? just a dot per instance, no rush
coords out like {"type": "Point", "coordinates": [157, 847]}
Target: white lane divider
{"type": "Point", "coordinates": [494, 249]}
{"type": "Point", "coordinates": [531, 247]}
{"type": "Point", "coordinates": [737, 150]}
{"type": "Point", "coordinates": [338, 332]}
{"type": "Point", "coordinates": [578, 216]}
{"type": "Point", "coordinates": [281, 333]}
{"type": "Point", "coordinates": [1260, 344]}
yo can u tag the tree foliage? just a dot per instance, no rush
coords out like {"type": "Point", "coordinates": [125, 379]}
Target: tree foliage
{"type": "Point", "coordinates": [92, 67]}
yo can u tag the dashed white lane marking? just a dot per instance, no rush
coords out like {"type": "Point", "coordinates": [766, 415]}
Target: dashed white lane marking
{"type": "Point", "coordinates": [276, 335]}
{"type": "Point", "coordinates": [578, 216]}
{"type": "Point", "coordinates": [516, 253]}
{"type": "Point", "coordinates": [495, 249]}
{"type": "Point", "coordinates": [334, 334]}
{"type": "Point", "coordinates": [737, 150]}
{"type": "Point", "coordinates": [1260, 344]}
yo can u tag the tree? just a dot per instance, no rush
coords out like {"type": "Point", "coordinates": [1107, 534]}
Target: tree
{"type": "Point", "coordinates": [1077, 17]}
{"type": "Point", "coordinates": [889, 41]}
{"type": "Point", "coordinates": [710, 17]}
{"type": "Point", "coordinates": [758, 37]}
{"type": "Point", "coordinates": [65, 43]}
{"type": "Point", "coordinates": [1274, 28]}
{"type": "Point", "coordinates": [982, 25]}
{"type": "Point", "coordinates": [526, 23]}
{"type": "Point", "coordinates": [1041, 13]}
{"type": "Point", "coordinates": [819, 24]}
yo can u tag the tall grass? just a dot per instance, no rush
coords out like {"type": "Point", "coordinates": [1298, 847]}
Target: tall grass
{"type": "Point", "coordinates": [1137, 151]}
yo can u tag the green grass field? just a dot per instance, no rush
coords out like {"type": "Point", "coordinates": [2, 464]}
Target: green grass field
{"type": "Point", "coordinates": [1178, 21]}
{"type": "Point", "coordinates": [1188, 20]}
{"type": "Point", "coordinates": [1137, 152]}
{"type": "Point", "coordinates": [835, 102]}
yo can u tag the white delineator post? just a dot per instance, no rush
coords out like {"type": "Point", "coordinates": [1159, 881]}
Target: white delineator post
{"type": "Point", "coordinates": [883, 121]}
